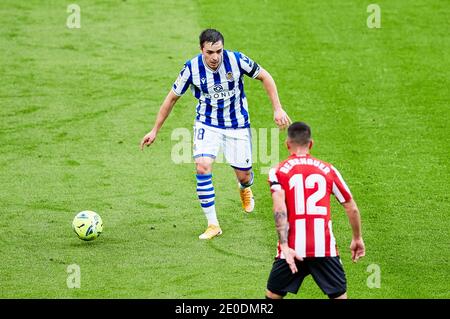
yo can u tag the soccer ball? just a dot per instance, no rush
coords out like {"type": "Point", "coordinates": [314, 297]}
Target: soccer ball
{"type": "Point", "coordinates": [88, 225]}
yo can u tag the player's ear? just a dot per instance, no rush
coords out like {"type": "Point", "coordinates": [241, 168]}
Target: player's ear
{"type": "Point", "coordinates": [311, 143]}
{"type": "Point", "coordinates": [288, 145]}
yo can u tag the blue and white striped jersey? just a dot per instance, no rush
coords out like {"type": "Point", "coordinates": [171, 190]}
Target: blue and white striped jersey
{"type": "Point", "coordinates": [221, 98]}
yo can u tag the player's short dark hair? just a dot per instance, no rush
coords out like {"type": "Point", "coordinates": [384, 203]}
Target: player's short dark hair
{"type": "Point", "coordinates": [210, 35]}
{"type": "Point", "coordinates": [299, 133]}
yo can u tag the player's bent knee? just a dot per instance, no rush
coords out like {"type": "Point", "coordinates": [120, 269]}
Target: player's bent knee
{"type": "Point", "coordinates": [244, 177]}
{"type": "Point", "coordinates": [272, 295]}
{"type": "Point", "coordinates": [203, 168]}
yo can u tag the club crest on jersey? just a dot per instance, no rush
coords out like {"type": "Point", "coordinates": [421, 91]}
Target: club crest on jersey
{"type": "Point", "coordinates": [218, 88]}
{"type": "Point", "coordinates": [230, 76]}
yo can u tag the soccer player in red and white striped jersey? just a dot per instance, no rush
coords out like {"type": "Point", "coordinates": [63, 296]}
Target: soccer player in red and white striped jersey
{"type": "Point", "coordinates": [301, 187]}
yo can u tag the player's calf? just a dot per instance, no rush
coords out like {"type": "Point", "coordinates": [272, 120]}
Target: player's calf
{"type": "Point", "coordinates": [338, 295]}
{"type": "Point", "coordinates": [273, 295]}
{"type": "Point", "coordinates": [245, 178]}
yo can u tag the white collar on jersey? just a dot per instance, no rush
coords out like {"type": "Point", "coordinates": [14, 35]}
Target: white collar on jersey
{"type": "Point", "coordinates": [206, 64]}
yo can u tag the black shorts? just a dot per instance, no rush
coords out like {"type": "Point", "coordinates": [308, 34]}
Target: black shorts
{"type": "Point", "coordinates": [327, 272]}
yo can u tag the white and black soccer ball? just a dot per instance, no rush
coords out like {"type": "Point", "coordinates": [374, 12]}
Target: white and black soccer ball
{"type": "Point", "coordinates": [88, 225]}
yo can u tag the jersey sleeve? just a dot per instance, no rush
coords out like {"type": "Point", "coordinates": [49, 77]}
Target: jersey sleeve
{"type": "Point", "coordinates": [183, 81]}
{"type": "Point", "coordinates": [340, 188]}
{"type": "Point", "coordinates": [248, 66]}
{"type": "Point", "coordinates": [273, 180]}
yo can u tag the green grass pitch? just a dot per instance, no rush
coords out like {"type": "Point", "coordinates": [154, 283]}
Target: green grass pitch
{"type": "Point", "coordinates": [74, 104]}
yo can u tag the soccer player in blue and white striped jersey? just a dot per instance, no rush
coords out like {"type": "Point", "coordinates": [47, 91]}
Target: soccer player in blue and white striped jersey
{"type": "Point", "coordinates": [216, 79]}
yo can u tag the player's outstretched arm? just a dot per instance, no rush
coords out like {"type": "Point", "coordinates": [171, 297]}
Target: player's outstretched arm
{"type": "Point", "coordinates": [279, 115]}
{"type": "Point", "coordinates": [282, 225]}
{"type": "Point", "coordinates": [357, 246]}
{"type": "Point", "coordinates": [163, 113]}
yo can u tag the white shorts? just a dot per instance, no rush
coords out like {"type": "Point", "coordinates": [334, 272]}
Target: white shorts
{"type": "Point", "coordinates": [235, 143]}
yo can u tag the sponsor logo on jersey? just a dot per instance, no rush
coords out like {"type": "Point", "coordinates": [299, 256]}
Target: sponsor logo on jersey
{"type": "Point", "coordinates": [220, 95]}
{"type": "Point", "coordinates": [218, 88]}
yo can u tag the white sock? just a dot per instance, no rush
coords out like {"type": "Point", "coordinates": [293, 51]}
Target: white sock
{"type": "Point", "coordinates": [210, 213]}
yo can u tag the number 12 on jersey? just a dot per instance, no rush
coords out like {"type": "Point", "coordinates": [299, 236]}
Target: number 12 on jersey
{"type": "Point", "coordinates": [308, 205]}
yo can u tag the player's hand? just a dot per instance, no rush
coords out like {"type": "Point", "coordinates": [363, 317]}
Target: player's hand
{"type": "Point", "coordinates": [148, 139]}
{"type": "Point", "coordinates": [357, 248]}
{"type": "Point", "coordinates": [281, 119]}
{"type": "Point", "coordinates": [291, 255]}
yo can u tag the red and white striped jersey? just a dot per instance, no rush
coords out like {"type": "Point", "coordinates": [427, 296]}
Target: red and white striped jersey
{"type": "Point", "coordinates": [308, 184]}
